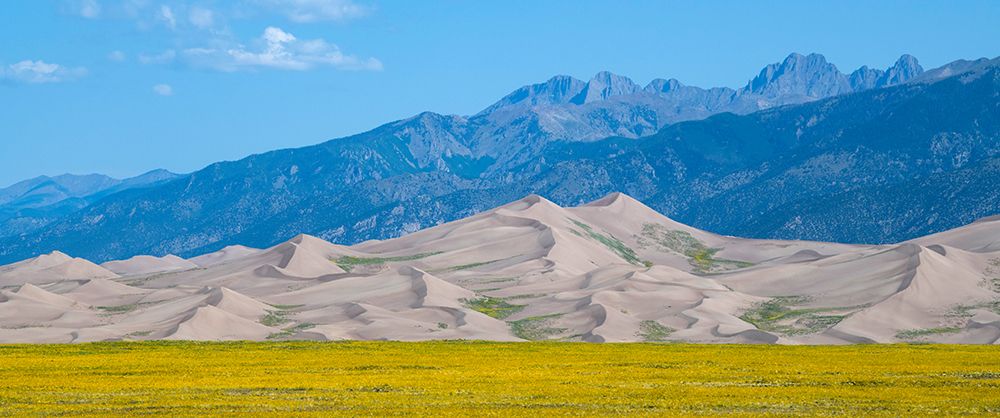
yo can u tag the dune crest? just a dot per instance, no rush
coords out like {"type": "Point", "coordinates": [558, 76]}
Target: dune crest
{"type": "Point", "coordinates": [51, 268]}
{"type": "Point", "coordinates": [144, 264]}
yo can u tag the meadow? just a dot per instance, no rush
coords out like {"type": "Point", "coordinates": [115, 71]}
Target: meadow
{"type": "Point", "coordinates": [508, 379]}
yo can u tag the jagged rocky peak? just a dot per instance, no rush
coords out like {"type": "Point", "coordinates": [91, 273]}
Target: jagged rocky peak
{"type": "Point", "coordinates": [660, 85]}
{"type": "Point", "coordinates": [796, 79]}
{"type": "Point", "coordinates": [803, 75]}
{"type": "Point", "coordinates": [563, 89]}
{"type": "Point", "coordinates": [865, 78]}
{"type": "Point", "coordinates": [905, 69]}
{"type": "Point", "coordinates": [557, 90]}
{"type": "Point", "coordinates": [605, 85]}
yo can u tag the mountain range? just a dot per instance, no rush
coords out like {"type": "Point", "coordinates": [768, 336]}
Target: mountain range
{"type": "Point", "coordinates": [31, 204]}
{"type": "Point", "coordinates": [801, 148]}
{"type": "Point", "coordinates": [612, 270]}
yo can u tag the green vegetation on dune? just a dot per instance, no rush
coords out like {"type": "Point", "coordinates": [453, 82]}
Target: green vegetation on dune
{"type": "Point", "coordinates": [348, 263]}
{"type": "Point", "coordinates": [701, 257]}
{"type": "Point", "coordinates": [959, 314]}
{"type": "Point", "coordinates": [527, 296]}
{"type": "Point", "coordinates": [468, 266]}
{"type": "Point", "coordinates": [290, 331]}
{"type": "Point", "coordinates": [668, 240]}
{"type": "Point", "coordinates": [536, 328]}
{"type": "Point", "coordinates": [778, 315]}
{"type": "Point", "coordinates": [992, 272]}
{"type": "Point", "coordinates": [614, 244]}
{"type": "Point", "coordinates": [913, 334]}
{"type": "Point", "coordinates": [119, 309]}
{"type": "Point", "coordinates": [963, 312]}
{"type": "Point", "coordinates": [494, 307]}
{"type": "Point", "coordinates": [142, 280]}
{"type": "Point", "coordinates": [653, 331]}
{"type": "Point", "coordinates": [280, 316]}
{"type": "Point", "coordinates": [492, 280]}
{"type": "Point", "coordinates": [275, 318]}
{"type": "Point", "coordinates": [285, 307]}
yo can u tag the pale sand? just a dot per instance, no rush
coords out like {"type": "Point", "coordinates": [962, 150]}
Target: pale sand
{"type": "Point", "coordinates": [612, 270]}
{"type": "Point", "coordinates": [144, 264]}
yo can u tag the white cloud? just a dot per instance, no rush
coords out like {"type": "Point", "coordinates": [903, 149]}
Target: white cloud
{"type": "Point", "coordinates": [178, 14]}
{"type": "Point", "coordinates": [116, 56]}
{"type": "Point", "coordinates": [316, 10]}
{"type": "Point", "coordinates": [37, 72]}
{"type": "Point", "coordinates": [201, 18]}
{"type": "Point", "coordinates": [167, 16]}
{"type": "Point", "coordinates": [89, 9]}
{"type": "Point", "coordinates": [161, 58]}
{"type": "Point", "coordinates": [280, 50]}
{"type": "Point", "coordinates": [163, 90]}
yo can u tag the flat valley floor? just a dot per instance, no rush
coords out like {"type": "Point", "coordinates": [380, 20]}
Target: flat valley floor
{"type": "Point", "coordinates": [493, 379]}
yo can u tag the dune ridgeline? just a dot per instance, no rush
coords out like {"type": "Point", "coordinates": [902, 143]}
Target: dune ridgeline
{"type": "Point", "coordinates": [613, 270]}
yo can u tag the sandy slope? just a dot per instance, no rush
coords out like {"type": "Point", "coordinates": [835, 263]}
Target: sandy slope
{"type": "Point", "coordinates": [231, 252]}
{"type": "Point", "coordinates": [48, 268]}
{"type": "Point", "coordinates": [144, 264]}
{"type": "Point", "coordinates": [612, 270]}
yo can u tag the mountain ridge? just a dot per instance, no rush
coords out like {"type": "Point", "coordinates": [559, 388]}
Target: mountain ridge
{"type": "Point", "coordinates": [31, 204]}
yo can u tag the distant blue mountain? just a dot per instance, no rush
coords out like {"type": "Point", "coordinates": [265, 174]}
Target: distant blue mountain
{"type": "Point", "coordinates": [802, 151]}
{"type": "Point", "coordinates": [34, 203]}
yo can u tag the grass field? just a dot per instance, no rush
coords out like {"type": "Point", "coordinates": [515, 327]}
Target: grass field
{"type": "Point", "coordinates": [509, 379]}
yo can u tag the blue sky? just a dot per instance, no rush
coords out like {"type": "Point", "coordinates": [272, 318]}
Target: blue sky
{"type": "Point", "coordinates": [124, 86]}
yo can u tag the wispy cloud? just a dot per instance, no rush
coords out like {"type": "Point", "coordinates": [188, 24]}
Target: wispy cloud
{"type": "Point", "coordinates": [201, 18]}
{"type": "Point", "coordinates": [163, 90]}
{"type": "Point", "coordinates": [89, 9]}
{"type": "Point", "coordinates": [202, 37]}
{"type": "Point", "coordinates": [167, 16]}
{"type": "Point", "coordinates": [161, 58]}
{"type": "Point", "coordinates": [316, 10]}
{"type": "Point", "coordinates": [206, 14]}
{"type": "Point", "coordinates": [278, 49]}
{"type": "Point", "coordinates": [37, 72]}
{"type": "Point", "coordinates": [116, 56]}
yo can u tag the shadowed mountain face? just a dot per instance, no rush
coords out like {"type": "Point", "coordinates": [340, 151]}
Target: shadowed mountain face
{"type": "Point", "coordinates": [877, 157]}
{"type": "Point", "coordinates": [612, 270]}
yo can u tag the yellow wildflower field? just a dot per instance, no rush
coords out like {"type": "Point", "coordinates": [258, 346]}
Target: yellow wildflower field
{"type": "Point", "coordinates": [509, 379]}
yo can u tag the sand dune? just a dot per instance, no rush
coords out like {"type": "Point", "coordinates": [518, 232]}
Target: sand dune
{"type": "Point", "coordinates": [982, 236]}
{"type": "Point", "coordinates": [612, 270]}
{"type": "Point", "coordinates": [144, 264]}
{"type": "Point", "coordinates": [224, 255]}
{"type": "Point", "coordinates": [212, 323]}
{"type": "Point", "coordinates": [50, 268]}
{"type": "Point", "coordinates": [34, 307]}
{"type": "Point", "coordinates": [105, 292]}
